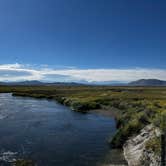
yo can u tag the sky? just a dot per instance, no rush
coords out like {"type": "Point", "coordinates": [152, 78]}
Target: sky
{"type": "Point", "coordinates": [82, 40]}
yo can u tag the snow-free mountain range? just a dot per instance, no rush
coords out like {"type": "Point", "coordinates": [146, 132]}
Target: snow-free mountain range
{"type": "Point", "coordinates": [141, 82]}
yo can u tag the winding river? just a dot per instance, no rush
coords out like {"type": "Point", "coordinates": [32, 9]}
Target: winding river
{"type": "Point", "coordinates": [51, 134]}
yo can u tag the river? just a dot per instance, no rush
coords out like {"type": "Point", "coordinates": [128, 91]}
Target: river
{"type": "Point", "coordinates": [51, 134]}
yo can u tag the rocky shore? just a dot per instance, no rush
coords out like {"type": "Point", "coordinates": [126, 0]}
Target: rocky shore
{"type": "Point", "coordinates": [135, 149]}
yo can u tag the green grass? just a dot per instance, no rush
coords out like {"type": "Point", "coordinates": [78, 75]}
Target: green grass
{"type": "Point", "coordinates": [22, 162]}
{"type": "Point", "coordinates": [154, 145]}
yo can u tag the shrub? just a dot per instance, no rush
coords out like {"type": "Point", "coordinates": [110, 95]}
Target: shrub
{"type": "Point", "coordinates": [154, 145]}
{"type": "Point", "coordinates": [21, 162]}
{"type": "Point", "coordinates": [84, 106]}
{"type": "Point", "coordinates": [131, 128]}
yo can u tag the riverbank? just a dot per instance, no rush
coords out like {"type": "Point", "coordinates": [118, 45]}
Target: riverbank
{"type": "Point", "coordinates": [139, 150]}
{"type": "Point", "coordinates": [108, 112]}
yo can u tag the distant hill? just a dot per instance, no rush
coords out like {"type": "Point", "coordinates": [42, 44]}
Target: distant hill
{"type": "Point", "coordinates": [148, 82]}
{"type": "Point", "coordinates": [39, 83]}
{"type": "Point", "coordinates": [141, 82]}
{"type": "Point", "coordinates": [22, 83]}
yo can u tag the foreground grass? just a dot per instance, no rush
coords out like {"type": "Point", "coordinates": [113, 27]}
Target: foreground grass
{"type": "Point", "coordinates": [136, 106]}
{"type": "Point", "coordinates": [22, 162]}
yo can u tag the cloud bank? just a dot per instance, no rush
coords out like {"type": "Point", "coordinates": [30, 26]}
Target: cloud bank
{"type": "Point", "coordinates": [20, 72]}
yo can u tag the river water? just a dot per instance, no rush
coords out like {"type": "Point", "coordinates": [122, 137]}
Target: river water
{"type": "Point", "coordinates": [51, 134]}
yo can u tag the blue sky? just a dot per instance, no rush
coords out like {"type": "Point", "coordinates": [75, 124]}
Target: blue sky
{"type": "Point", "coordinates": [84, 36]}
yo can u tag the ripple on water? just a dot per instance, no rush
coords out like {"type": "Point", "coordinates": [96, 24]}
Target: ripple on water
{"type": "Point", "coordinates": [8, 156]}
{"type": "Point", "coordinates": [3, 117]}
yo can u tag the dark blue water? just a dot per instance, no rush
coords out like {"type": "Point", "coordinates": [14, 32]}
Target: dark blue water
{"type": "Point", "coordinates": [52, 134]}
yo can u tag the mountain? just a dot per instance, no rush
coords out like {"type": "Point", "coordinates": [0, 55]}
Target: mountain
{"type": "Point", "coordinates": [22, 83]}
{"type": "Point", "coordinates": [141, 82]}
{"type": "Point", "coordinates": [148, 82]}
{"type": "Point", "coordinates": [39, 83]}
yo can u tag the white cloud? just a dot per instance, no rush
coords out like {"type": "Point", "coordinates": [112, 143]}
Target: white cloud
{"type": "Point", "coordinates": [10, 66]}
{"type": "Point", "coordinates": [19, 72]}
